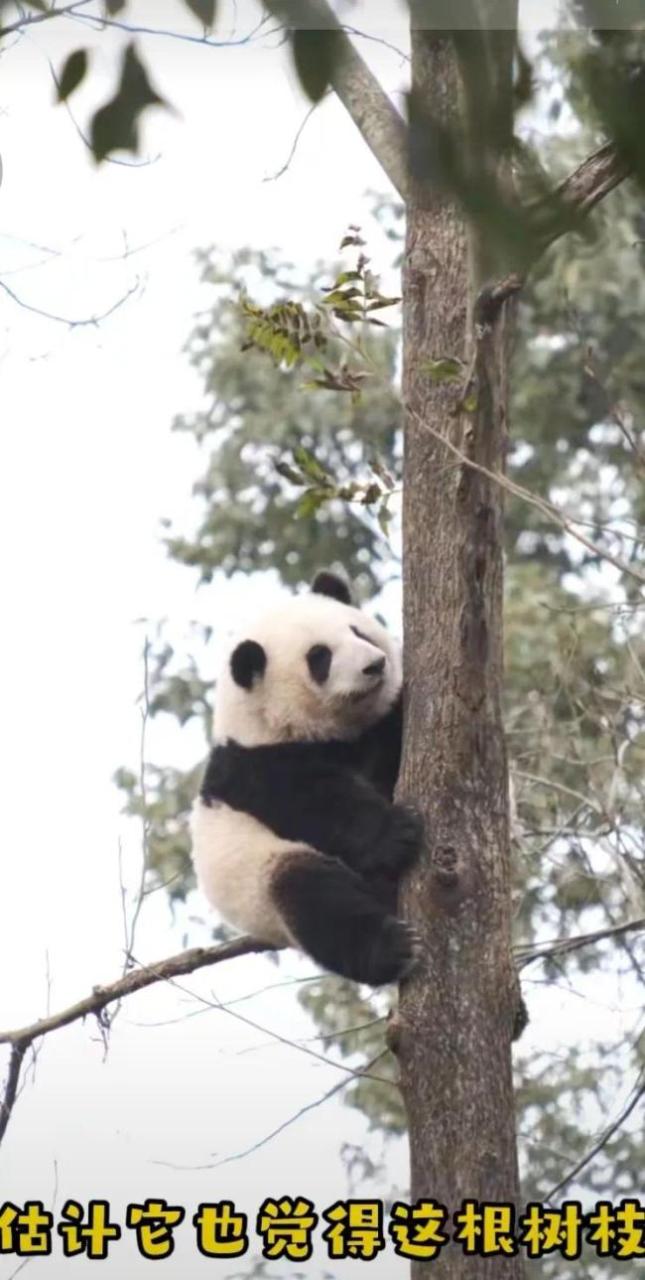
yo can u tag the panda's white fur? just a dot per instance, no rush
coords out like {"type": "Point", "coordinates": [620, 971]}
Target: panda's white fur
{"type": "Point", "coordinates": [287, 705]}
{"type": "Point", "coordinates": [234, 857]}
{"type": "Point", "coordinates": [238, 858]}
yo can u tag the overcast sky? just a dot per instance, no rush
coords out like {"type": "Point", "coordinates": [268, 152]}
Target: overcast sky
{"type": "Point", "coordinates": [89, 468]}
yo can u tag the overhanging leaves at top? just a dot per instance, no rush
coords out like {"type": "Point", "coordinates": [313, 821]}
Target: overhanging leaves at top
{"type": "Point", "coordinates": [204, 10]}
{"type": "Point", "coordinates": [73, 72]}
{"type": "Point", "coordinates": [314, 54]}
{"type": "Point", "coordinates": [116, 125]}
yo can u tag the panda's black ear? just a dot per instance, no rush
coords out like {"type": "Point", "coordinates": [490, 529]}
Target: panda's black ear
{"type": "Point", "coordinates": [248, 660]}
{"type": "Point", "coordinates": [327, 583]}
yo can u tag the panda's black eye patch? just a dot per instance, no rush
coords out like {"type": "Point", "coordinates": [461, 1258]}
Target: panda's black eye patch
{"type": "Point", "coordinates": [248, 660]}
{"type": "Point", "coordinates": [362, 637]}
{"type": "Point", "coordinates": [319, 662]}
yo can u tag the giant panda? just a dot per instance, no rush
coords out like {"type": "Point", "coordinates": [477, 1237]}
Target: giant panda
{"type": "Point", "coordinates": [295, 837]}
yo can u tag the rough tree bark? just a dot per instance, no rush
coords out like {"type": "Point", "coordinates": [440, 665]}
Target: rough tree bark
{"type": "Point", "coordinates": [454, 1028]}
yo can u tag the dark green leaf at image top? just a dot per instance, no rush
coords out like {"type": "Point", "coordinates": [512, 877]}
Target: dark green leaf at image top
{"type": "Point", "coordinates": [204, 10]}
{"type": "Point", "coordinates": [116, 125]}
{"type": "Point", "coordinates": [314, 53]}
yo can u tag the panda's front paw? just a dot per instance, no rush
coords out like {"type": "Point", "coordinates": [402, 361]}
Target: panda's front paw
{"type": "Point", "coordinates": [406, 836]}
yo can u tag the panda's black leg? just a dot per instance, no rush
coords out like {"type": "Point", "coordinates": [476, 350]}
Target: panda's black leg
{"type": "Point", "coordinates": [334, 918]}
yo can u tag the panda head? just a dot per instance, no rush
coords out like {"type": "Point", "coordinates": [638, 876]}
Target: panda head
{"type": "Point", "coordinates": [314, 668]}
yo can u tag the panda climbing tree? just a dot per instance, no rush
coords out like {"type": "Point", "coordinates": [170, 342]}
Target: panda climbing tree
{"type": "Point", "coordinates": [296, 840]}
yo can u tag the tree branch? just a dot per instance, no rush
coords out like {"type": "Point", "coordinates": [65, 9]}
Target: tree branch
{"type": "Point", "coordinates": [97, 21]}
{"type": "Point", "coordinates": [286, 1124]}
{"type": "Point", "coordinates": [101, 997]}
{"type": "Point", "coordinates": [562, 946]}
{"type": "Point", "coordinates": [201, 958]}
{"type": "Point", "coordinates": [378, 121]}
{"type": "Point", "coordinates": [565, 522]}
{"type": "Point", "coordinates": [30, 19]}
{"type": "Point", "coordinates": [136, 980]}
{"type": "Point", "coordinates": [70, 322]}
{"type": "Point", "coordinates": [632, 1102]}
{"type": "Point", "coordinates": [580, 192]}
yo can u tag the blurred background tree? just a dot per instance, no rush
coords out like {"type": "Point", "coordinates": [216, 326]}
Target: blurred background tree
{"type": "Point", "coordinates": [575, 656]}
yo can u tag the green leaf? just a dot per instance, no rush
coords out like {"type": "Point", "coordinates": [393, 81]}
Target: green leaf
{"type": "Point", "coordinates": [310, 502]}
{"type": "Point", "coordinates": [74, 70]}
{"type": "Point", "coordinates": [310, 465]}
{"type": "Point", "coordinates": [314, 53]}
{"type": "Point", "coordinates": [445, 369]}
{"type": "Point", "coordinates": [116, 125]}
{"type": "Point", "coordinates": [288, 473]}
{"type": "Point", "coordinates": [382, 302]}
{"type": "Point", "coordinates": [469, 403]}
{"type": "Point", "coordinates": [337, 297]}
{"type": "Point", "coordinates": [344, 278]}
{"type": "Point", "coordinates": [384, 518]}
{"type": "Point", "coordinates": [204, 10]}
{"type": "Point", "coordinates": [351, 240]}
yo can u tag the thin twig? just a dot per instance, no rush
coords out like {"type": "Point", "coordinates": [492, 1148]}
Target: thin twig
{"type": "Point", "coordinates": [267, 1031]}
{"type": "Point", "coordinates": [637, 1093]}
{"type": "Point", "coordinates": [71, 324]}
{"type": "Point", "coordinates": [98, 21]}
{"type": "Point", "coordinates": [30, 19]}
{"type": "Point", "coordinates": [273, 177]}
{"type": "Point", "coordinates": [565, 522]}
{"type": "Point", "coordinates": [560, 946]}
{"type": "Point", "coordinates": [286, 1124]}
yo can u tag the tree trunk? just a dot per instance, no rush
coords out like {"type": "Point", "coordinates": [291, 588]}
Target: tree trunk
{"type": "Point", "coordinates": [454, 1028]}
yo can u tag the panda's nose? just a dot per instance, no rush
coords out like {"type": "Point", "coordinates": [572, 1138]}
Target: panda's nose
{"type": "Point", "coordinates": [375, 668]}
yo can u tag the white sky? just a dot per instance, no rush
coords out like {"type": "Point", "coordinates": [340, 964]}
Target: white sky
{"type": "Point", "coordinates": [89, 467]}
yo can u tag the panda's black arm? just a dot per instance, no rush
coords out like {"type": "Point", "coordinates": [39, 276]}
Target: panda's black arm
{"type": "Point", "coordinates": [309, 792]}
{"type": "Point", "coordinates": [377, 753]}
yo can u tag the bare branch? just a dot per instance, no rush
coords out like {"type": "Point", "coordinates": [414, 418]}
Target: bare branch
{"type": "Point", "coordinates": [564, 522]}
{"type": "Point", "coordinates": [71, 324]}
{"type": "Point", "coordinates": [378, 121]}
{"type": "Point", "coordinates": [186, 962]}
{"type": "Point", "coordinates": [136, 980]}
{"type": "Point", "coordinates": [366, 35]}
{"type": "Point", "coordinates": [286, 1124]}
{"type": "Point", "coordinates": [580, 192]}
{"type": "Point", "coordinates": [561, 946]}
{"type": "Point", "coordinates": [273, 177]}
{"type": "Point", "coordinates": [220, 1007]}
{"type": "Point", "coordinates": [637, 1093]}
{"type": "Point", "coordinates": [98, 21]}
{"type": "Point", "coordinates": [30, 19]}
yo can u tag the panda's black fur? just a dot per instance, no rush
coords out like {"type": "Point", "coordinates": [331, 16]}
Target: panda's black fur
{"type": "Point", "coordinates": [335, 845]}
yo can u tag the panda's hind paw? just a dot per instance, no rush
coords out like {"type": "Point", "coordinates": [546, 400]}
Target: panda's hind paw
{"type": "Point", "coordinates": [399, 952]}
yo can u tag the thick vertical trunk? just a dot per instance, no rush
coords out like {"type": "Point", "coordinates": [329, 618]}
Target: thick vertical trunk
{"type": "Point", "coordinates": [454, 1029]}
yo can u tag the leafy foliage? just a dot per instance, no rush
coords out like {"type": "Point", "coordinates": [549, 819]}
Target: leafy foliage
{"type": "Point", "coordinates": [246, 495]}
